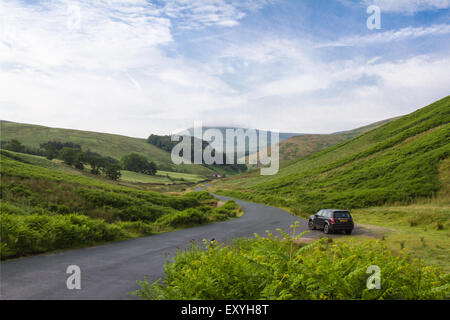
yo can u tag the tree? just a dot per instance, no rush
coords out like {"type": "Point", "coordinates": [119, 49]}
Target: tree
{"type": "Point", "coordinates": [137, 163]}
{"type": "Point", "coordinates": [112, 171]}
{"type": "Point", "coordinates": [15, 145]}
{"type": "Point", "coordinates": [95, 160]}
{"type": "Point", "coordinates": [151, 169]}
{"type": "Point", "coordinates": [71, 156]}
{"type": "Point", "coordinates": [52, 148]}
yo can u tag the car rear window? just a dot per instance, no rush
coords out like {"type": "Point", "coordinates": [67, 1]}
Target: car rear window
{"type": "Point", "coordinates": [342, 214]}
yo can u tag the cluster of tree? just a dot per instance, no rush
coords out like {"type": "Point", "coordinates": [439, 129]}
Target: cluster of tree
{"type": "Point", "coordinates": [165, 143]}
{"type": "Point", "coordinates": [137, 163]}
{"type": "Point", "coordinates": [99, 164]}
{"type": "Point", "coordinates": [162, 142]}
{"type": "Point", "coordinates": [17, 146]}
{"type": "Point", "coordinates": [72, 154]}
{"type": "Point", "coordinates": [52, 148]}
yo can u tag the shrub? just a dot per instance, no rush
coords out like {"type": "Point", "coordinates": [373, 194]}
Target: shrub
{"type": "Point", "coordinates": [200, 195]}
{"type": "Point", "coordinates": [225, 212]}
{"type": "Point", "coordinates": [136, 228]}
{"type": "Point", "coordinates": [189, 217]}
{"type": "Point", "coordinates": [267, 268]}
{"type": "Point", "coordinates": [30, 234]}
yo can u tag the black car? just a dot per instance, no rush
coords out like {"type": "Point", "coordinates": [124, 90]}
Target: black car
{"type": "Point", "coordinates": [332, 220]}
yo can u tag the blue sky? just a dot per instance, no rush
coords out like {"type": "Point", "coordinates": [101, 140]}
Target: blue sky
{"type": "Point", "coordinates": [136, 67]}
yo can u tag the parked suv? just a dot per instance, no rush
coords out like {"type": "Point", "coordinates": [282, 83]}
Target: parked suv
{"type": "Point", "coordinates": [332, 220]}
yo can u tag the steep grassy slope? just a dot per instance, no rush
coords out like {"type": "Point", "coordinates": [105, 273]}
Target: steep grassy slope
{"type": "Point", "coordinates": [105, 144]}
{"type": "Point", "coordinates": [42, 209]}
{"type": "Point", "coordinates": [300, 146]}
{"type": "Point", "coordinates": [397, 162]}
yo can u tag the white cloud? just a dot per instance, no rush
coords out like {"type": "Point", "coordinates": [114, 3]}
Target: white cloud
{"type": "Point", "coordinates": [112, 68]}
{"type": "Point", "coordinates": [194, 14]}
{"type": "Point", "coordinates": [112, 34]}
{"type": "Point", "coordinates": [310, 95]}
{"type": "Point", "coordinates": [408, 6]}
{"type": "Point", "coordinates": [120, 72]}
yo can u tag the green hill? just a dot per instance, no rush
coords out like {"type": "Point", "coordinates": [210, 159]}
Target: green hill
{"type": "Point", "coordinates": [300, 146]}
{"type": "Point", "coordinates": [105, 144]}
{"type": "Point", "coordinates": [397, 162]}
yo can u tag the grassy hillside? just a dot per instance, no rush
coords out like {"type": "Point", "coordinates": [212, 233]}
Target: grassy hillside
{"type": "Point", "coordinates": [105, 144]}
{"type": "Point", "coordinates": [168, 178]}
{"type": "Point", "coordinates": [397, 162]}
{"type": "Point", "coordinates": [43, 209]}
{"type": "Point", "coordinates": [300, 146]}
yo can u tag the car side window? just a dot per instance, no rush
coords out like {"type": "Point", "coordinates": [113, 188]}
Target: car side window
{"type": "Point", "coordinates": [329, 214]}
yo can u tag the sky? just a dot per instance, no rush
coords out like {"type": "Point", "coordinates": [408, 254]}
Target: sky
{"type": "Point", "coordinates": [136, 67]}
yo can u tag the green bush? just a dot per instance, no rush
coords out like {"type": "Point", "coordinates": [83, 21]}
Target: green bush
{"type": "Point", "coordinates": [200, 195]}
{"type": "Point", "coordinates": [267, 268]}
{"type": "Point", "coordinates": [31, 234]}
{"type": "Point", "coordinates": [189, 217]}
{"type": "Point", "coordinates": [227, 211]}
{"type": "Point", "coordinates": [137, 227]}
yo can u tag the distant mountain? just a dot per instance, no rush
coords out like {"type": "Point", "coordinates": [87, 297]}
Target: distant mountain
{"type": "Point", "coordinates": [282, 135]}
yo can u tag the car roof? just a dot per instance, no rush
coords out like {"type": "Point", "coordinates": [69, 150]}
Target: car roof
{"type": "Point", "coordinates": [333, 210]}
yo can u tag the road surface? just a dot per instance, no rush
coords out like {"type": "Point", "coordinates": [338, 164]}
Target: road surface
{"type": "Point", "coordinates": [110, 271]}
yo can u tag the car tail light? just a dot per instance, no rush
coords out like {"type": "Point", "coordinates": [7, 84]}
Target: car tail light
{"type": "Point", "coordinates": [332, 220]}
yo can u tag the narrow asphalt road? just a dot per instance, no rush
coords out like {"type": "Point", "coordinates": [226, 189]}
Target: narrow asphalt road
{"type": "Point", "coordinates": [110, 271]}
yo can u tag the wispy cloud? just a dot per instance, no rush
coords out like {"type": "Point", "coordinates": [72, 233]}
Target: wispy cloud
{"type": "Point", "coordinates": [111, 34]}
{"type": "Point", "coordinates": [389, 36]}
{"type": "Point", "coordinates": [193, 14]}
{"type": "Point", "coordinates": [408, 6]}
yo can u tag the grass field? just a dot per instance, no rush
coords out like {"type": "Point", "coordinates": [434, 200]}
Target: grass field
{"type": "Point", "coordinates": [161, 177]}
{"type": "Point", "coordinates": [105, 144]}
{"type": "Point", "coordinates": [422, 230]}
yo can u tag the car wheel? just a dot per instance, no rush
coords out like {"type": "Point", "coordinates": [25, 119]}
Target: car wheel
{"type": "Point", "coordinates": [348, 231]}
{"type": "Point", "coordinates": [311, 225]}
{"type": "Point", "coordinates": [326, 229]}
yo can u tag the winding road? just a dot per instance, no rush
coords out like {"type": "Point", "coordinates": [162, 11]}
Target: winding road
{"type": "Point", "coordinates": [110, 271]}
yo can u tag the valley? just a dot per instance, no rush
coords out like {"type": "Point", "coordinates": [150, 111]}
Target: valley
{"type": "Point", "coordinates": [393, 177]}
